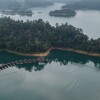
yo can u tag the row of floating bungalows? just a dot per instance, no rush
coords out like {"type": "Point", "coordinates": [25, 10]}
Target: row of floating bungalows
{"type": "Point", "coordinates": [17, 62]}
{"type": "Point", "coordinates": [40, 60]}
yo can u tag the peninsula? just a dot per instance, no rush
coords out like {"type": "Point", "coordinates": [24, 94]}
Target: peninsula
{"type": "Point", "coordinates": [38, 38]}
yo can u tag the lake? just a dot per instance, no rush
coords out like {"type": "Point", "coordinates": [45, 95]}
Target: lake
{"type": "Point", "coordinates": [88, 20]}
{"type": "Point", "coordinates": [66, 76]}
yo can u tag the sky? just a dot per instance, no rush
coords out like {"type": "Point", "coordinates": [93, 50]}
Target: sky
{"type": "Point", "coordinates": [22, 1]}
{"type": "Point", "coordinates": [41, 0]}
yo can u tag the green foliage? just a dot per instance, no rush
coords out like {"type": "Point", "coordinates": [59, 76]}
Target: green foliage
{"type": "Point", "coordinates": [63, 13]}
{"type": "Point", "coordinates": [39, 36]}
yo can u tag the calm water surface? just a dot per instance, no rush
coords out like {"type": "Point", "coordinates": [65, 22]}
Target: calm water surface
{"type": "Point", "coordinates": [66, 76]}
{"type": "Point", "coordinates": [88, 20]}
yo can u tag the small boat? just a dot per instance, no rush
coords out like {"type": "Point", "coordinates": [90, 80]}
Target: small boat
{"type": "Point", "coordinates": [40, 59]}
{"type": "Point", "coordinates": [41, 63]}
{"type": "Point", "coordinates": [30, 60]}
{"type": "Point", "coordinates": [25, 61]}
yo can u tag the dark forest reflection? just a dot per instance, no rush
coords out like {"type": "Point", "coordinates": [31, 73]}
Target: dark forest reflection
{"type": "Point", "coordinates": [57, 56]}
{"type": "Point", "coordinates": [64, 57]}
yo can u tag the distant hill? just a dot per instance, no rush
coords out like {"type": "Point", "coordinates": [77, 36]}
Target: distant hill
{"type": "Point", "coordinates": [84, 4]}
{"type": "Point", "coordinates": [37, 3]}
{"type": "Point", "coordinates": [24, 3]}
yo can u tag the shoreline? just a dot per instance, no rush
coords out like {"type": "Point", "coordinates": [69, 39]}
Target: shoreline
{"type": "Point", "coordinates": [44, 54]}
{"type": "Point", "coordinates": [80, 52]}
{"type": "Point", "coordinates": [41, 54]}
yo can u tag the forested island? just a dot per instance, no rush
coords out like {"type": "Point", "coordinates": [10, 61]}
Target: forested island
{"type": "Point", "coordinates": [84, 4]}
{"type": "Point", "coordinates": [20, 11]}
{"type": "Point", "coordinates": [63, 13]}
{"type": "Point", "coordinates": [38, 36]}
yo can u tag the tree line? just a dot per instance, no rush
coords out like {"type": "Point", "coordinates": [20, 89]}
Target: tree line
{"type": "Point", "coordinates": [39, 36]}
{"type": "Point", "coordinates": [63, 13]}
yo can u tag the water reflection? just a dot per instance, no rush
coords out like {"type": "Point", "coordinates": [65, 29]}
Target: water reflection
{"type": "Point", "coordinates": [30, 67]}
{"type": "Point", "coordinates": [66, 76]}
{"type": "Point", "coordinates": [57, 56]}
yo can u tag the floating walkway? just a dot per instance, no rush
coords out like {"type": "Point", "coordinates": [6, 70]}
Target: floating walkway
{"type": "Point", "coordinates": [25, 61]}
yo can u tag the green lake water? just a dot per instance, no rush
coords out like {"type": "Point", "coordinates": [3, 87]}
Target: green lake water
{"type": "Point", "coordinates": [66, 76]}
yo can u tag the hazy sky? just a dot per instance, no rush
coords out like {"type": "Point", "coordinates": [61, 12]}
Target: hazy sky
{"type": "Point", "coordinates": [22, 1]}
{"type": "Point", "coordinates": [40, 0]}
